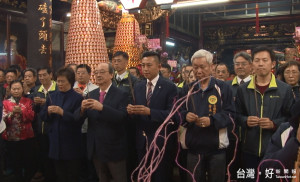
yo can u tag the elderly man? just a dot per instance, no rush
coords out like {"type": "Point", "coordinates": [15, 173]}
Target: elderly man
{"type": "Point", "coordinates": [243, 68]}
{"type": "Point", "coordinates": [106, 137]}
{"type": "Point", "coordinates": [207, 117]}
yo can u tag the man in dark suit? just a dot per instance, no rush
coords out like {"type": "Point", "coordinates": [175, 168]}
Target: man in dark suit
{"type": "Point", "coordinates": [154, 100]}
{"type": "Point", "coordinates": [106, 136]}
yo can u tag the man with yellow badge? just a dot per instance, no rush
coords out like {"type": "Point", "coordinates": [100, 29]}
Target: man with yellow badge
{"type": "Point", "coordinates": [207, 116]}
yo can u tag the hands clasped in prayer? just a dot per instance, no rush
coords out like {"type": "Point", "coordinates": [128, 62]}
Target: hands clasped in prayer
{"type": "Point", "coordinates": [39, 101]}
{"type": "Point", "coordinates": [17, 109]}
{"type": "Point", "coordinates": [265, 123]}
{"type": "Point", "coordinates": [138, 109]}
{"type": "Point", "coordinates": [199, 121]}
{"type": "Point", "coordinates": [91, 104]}
{"type": "Point", "coordinates": [55, 110]}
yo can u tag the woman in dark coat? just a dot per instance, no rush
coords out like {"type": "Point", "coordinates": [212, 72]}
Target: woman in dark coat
{"type": "Point", "coordinates": [64, 130]}
{"type": "Point", "coordinates": [291, 76]}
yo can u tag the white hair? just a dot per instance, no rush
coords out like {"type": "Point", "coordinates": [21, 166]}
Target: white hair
{"type": "Point", "coordinates": [203, 53]}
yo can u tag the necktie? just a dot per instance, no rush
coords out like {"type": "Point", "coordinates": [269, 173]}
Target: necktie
{"type": "Point", "coordinates": [101, 98]}
{"type": "Point", "coordinates": [149, 93]}
{"type": "Point", "coordinates": [242, 82]}
{"type": "Point", "coordinates": [119, 79]}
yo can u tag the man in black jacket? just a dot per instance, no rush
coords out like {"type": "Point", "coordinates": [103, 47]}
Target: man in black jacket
{"type": "Point", "coordinates": [40, 94]}
{"type": "Point", "coordinates": [262, 105]}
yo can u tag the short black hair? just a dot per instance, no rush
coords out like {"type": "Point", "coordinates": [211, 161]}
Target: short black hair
{"type": "Point", "coordinates": [16, 67]}
{"type": "Point", "coordinates": [151, 54]}
{"type": "Point", "coordinates": [68, 73]}
{"type": "Point", "coordinates": [48, 69]}
{"type": "Point", "coordinates": [11, 70]}
{"type": "Point", "coordinates": [15, 81]}
{"type": "Point", "coordinates": [223, 64]}
{"type": "Point", "coordinates": [136, 69]}
{"type": "Point", "coordinates": [71, 64]}
{"type": "Point", "coordinates": [2, 70]}
{"type": "Point", "coordinates": [165, 65]}
{"type": "Point", "coordinates": [121, 53]}
{"type": "Point", "coordinates": [263, 48]}
{"type": "Point", "coordinates": [88, 69]}
{"type": "Point", "coordinates": [32, 70]}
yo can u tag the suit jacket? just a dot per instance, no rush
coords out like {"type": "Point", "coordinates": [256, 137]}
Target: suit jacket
{"type": "Point", "coordinates": [164, 95]}
{"type": "Point", "coordinates": [106, 136]}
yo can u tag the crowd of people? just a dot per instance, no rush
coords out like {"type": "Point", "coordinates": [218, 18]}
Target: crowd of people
{"type": "Point", "coordinates": [62, 127]}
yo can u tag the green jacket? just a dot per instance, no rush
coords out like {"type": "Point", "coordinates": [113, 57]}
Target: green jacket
{"type": "Point", "coordinates": [275, 104]}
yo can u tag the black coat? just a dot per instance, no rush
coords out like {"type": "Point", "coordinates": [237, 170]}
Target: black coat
{"type": "Point", "coordinates": [161, 103]}
{"type": "Point", "coordinates": [64, 131]}
{"type": "Point", "coordinates": [106, 136]}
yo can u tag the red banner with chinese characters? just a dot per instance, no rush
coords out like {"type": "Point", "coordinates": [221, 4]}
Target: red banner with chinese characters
{"type": "Point", "coordinates": [39, 33]}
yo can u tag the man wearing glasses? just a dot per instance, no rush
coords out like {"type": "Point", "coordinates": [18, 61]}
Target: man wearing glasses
{"type": "Point", "coordinates": [242, 67]}
{"type": "Point", "coordinates": [106, 137]}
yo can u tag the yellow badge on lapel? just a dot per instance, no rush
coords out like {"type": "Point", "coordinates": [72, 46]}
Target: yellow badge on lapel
{"type": "Point", "coordinates": [212, 99]}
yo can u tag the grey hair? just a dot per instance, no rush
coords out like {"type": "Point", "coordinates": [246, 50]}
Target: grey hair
{"type": "Point", "coordinates": [243, 54]}
{"type": "Point", "coordinates": [203, 53]}
{"type": "Point", "coordinates": [110, 67]}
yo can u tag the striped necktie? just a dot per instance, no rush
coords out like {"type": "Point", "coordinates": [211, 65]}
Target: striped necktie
{"type": "Point", "coordinates": [149, 93]}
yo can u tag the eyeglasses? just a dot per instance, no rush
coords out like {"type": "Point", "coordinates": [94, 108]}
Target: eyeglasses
{"type": "Point", "coordinates": [240, 64]}
{"type": "Point", "coordinates": [292, 72]}
{"type": "Point", "coordinates": [100, 72]}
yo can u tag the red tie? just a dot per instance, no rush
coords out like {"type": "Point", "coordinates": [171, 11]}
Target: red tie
{"type": "Point", "coordinates": [101, 98]}
{"type": "Point", "coordinates": [149, 94]}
